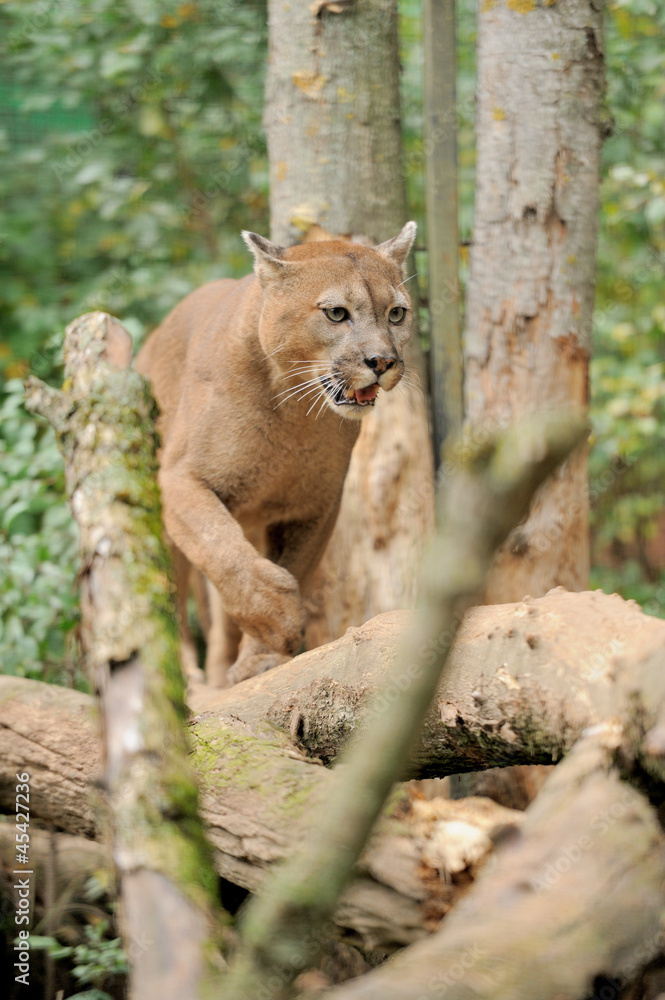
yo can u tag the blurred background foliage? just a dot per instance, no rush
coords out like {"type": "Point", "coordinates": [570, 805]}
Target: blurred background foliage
{"type": "Point", "coordinates": [133, 155]}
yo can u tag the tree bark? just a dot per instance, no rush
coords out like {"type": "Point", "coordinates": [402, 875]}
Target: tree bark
{"type": "Point", "coordinates": [333, 127]}
{"type": "Point", "coordinates": [531, 289]}
{"type": "Point", "coordinates": [104, 424]}
{"type": "Point", "coordinates": [442, 181]}
{"type": "Point", "coordinates": [548, 918]}
{"type": "Point", "coordinates": [525, 680]}
{"type": "Point", "coordinates": [545, 669]}
{"type": "Point", "coordinates": [258, 793]}
{"type": "Point", "coordinates": [515, 694]}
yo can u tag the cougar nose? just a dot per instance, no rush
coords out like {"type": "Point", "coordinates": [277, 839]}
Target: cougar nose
{"type": "Point", "coordinates": [380, 364]}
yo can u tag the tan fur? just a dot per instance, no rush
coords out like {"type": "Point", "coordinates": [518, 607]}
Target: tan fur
{"type": "Point", "coordinates": [253, 462]}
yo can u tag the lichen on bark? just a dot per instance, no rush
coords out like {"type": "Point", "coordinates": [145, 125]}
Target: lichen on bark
{"type": "Point", "coordinates": [104, 422]}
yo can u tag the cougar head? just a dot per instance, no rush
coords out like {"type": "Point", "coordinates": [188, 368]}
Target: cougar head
{"type": "Point", "coordinates": [335, 319]}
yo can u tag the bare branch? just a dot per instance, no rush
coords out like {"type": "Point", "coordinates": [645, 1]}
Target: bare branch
{"type": "Point", "coordinates": [104, 420]}
{"type": "Point", "coordinates": [484, 502]}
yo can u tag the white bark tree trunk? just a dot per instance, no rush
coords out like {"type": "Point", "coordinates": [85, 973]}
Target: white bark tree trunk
{"type": "Point", "coordinates": [333, 125]}
{"type": "Point", "coordinates": [531, 292]}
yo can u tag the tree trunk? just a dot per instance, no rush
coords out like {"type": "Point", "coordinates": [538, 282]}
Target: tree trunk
{"type": "Point", "coordinates": [258, 796]}
{"type": "Point", "coordinates": [548, 918]}
{"type": "Point", "coordinates": [440, 59]}
{"type": "Point", "coordinates": [103, 420]}
{"type": "Point", "coordinates": [531, 291]}
{"type": "Point", "coordinates": [333, 126]}
{"type": "Point", "coordinates": [525, 680]}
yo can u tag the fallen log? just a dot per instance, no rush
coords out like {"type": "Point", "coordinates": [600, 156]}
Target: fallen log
{"type": "Point", "coordinates": [592, 648]}
{"type": "Point", "coordinates": [572, 903]}
{"type": "Point", "coordinates": [103, 419]}
{"type": "Point", "coordinates": [524, 681]}
{"type": "Point", "coordinates": [257, 779]}
{"type": "Point", "coordinates": [258, 792]}
{"type": "Point", "coordinates": [582, 644]}
{"type": "Point", "coordinates": [590, 848]}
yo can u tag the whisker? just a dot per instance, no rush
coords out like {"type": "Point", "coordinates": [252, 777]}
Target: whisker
{"type": "Point", "coordinates": [405, 396]}
{"type": "Point", "coordinates": [295, 391]}
{"type": "Point", "coordinates": [320, 409]}
{"type": "Point", "coordinates": [276, 351]}
{"type": "Point", "coordinates": [407, 380]}
{"type": "Point", "coordinates": [406, 388]}
{"type": "Point", "coordinates": [308, 364]}
{"type": "Point", "coordinates": [407, 279]}
{"type": "Point", "coordinates": [412, 373]}
{"type": "Point", "coordinates": [309, 372]}
{"type": "Point", "coordinates": [309, 392]}
{"type": "Point", "coordinates": [316, 399]}
{"type": "Point", "coordinates": [294, 388]}
{"type": "Point", "coordinates": [306, 369]}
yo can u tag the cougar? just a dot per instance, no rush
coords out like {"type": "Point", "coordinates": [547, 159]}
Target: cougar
{"type": "Point", "coordinates": [261, 385]}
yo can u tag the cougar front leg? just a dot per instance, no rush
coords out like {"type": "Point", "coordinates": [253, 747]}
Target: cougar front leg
{"type": "Point", "coordinates": [263, 598]}
{"type": "Point", "coordinates": [298, 547]}
{"type": "Point", "coordinates": [254, 658]}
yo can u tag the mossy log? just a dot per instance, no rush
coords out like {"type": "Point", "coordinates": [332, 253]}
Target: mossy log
{"type": "Point", "coordinates": [256, 777]}
{"type": "Point", "coordinates": [256, 780]}
{"type": "Point", "coordinates": [104, 423]}
{"type": "Point", "coordinates": [588, 851]}
{"type": "Point", "coordinates": [523, 682]}
{"type": "Point", "coordinates": [580, 657]}
{"type": "Point", "coordinates": [258, 794]}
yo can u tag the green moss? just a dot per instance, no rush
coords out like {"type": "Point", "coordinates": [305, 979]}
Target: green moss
{"type": "Point", "coordinates": [158, 808]}
{"type": "Point", "coordinates": [232, 758]}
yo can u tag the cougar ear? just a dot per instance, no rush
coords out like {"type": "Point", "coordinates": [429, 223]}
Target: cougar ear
{"type": "Point", "coordinates": [269, 260]}
{"type": "Point", "coordinates": [398, 247]}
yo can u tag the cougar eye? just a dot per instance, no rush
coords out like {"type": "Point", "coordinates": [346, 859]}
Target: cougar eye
{"type": "Point", "coordinates": [397, 314]}
{"type": "Point", "coordinates": [337, 314]}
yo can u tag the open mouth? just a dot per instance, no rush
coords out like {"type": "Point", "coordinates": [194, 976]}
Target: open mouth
{"type": "Point", "coordinates": [342, 396]}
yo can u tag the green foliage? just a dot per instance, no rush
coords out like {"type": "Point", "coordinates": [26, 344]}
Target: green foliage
{"type": "Point", "coordinates": [628, 371]}
{"type": "Point", "coordinates": [132, 159]}
{"type": "Point", "coordinates": [94, 961]}
{"type": "Point", "coordinates": [38, 605]}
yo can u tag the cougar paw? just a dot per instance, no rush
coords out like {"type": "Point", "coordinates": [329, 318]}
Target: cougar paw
{"type": "Point", "coordinates": [274, 613]}
{"type": "Point", "coordinates": [250, 666]}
